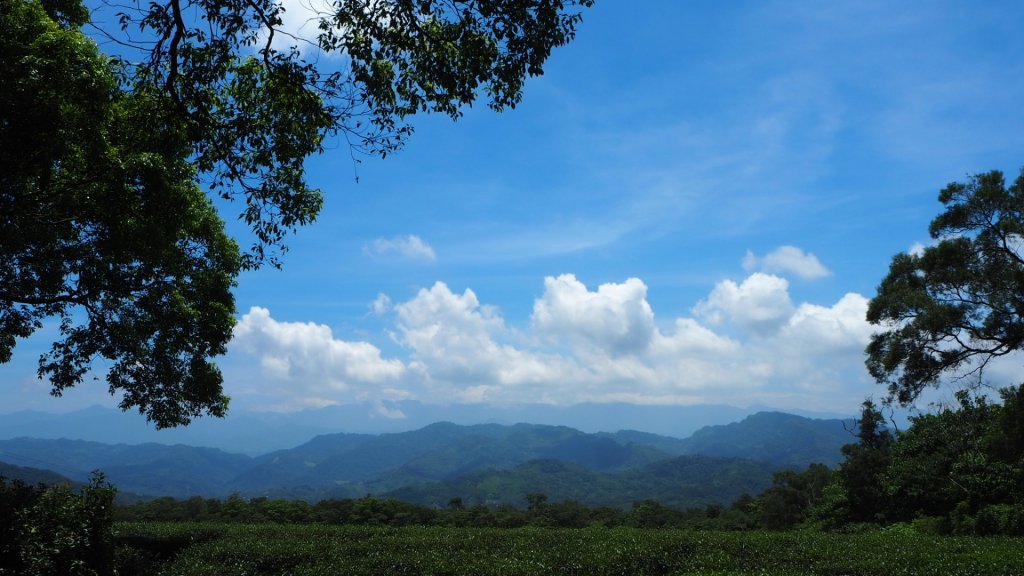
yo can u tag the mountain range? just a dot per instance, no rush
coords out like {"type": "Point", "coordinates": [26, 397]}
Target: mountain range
{"type": "Point", "coordinates": [483, 463]}
{"type": "Point", "coordinates": [255, 433]}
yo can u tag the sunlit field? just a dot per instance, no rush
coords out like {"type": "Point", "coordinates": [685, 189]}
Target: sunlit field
{"type": "Point", "coordinates": [301, 550]}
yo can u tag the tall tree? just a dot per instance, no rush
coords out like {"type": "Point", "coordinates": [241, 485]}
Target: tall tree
{"type": "Point", "coordinates": [103, 220]}
{"type": "Point", "coordinates": [953, 307]}
{"type": "Point", "coordinates": [861, 474]}
{"type": "Point", "coordinates": [792, 496]}
{"type": "Point", "coordinates": [102, 225]}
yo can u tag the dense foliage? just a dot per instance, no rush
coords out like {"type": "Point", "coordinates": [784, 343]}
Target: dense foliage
{"type": "Point", "coordinates": [534, 509]}
{"type": "Point", "coordinates": [56, 531]}
{"type": "Point", "coordinates": [785, 505]}
{"type": "Point", "coordinates": [257, 100]}
{"type": "Point", "coordinates": [103, 226]}
{"type": "Point", "coordinates": [680, 482]}
{"type": "Point", "coordinates": [959, 470]}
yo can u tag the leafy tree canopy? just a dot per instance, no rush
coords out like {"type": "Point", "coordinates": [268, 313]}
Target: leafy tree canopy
{"type": "Point", "coordinates": [105, 163]}
{"type": "Point", "coordinates": [103, 226]}
{"type": "Point", "coordinates": [257, 100]}
{"type": "Point", "coordinates": [953, 307]}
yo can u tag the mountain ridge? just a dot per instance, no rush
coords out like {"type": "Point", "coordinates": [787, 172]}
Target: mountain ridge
{"type": "Point", "coordinates": [352, 465]}
{"type": "Point", "coordinates": [256, 433]}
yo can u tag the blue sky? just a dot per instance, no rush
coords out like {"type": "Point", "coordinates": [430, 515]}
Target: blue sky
{"type": "Point", "coordinates": [692, 205]}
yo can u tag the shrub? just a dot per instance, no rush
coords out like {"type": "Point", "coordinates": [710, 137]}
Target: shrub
{"type": "Point", "coordinates": [1006, 519]}
{"type": "Point", "coordinates": [57, 531]}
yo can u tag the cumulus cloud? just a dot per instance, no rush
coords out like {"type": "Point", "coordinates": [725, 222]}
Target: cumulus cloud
{"type": "Point", "coordinates": [462, 345]}
{"type": "Point", "coordinates": [787, 259]}
{"type": "Point", "coordinates": [760, 304]}
{"type": "Point", "coordinates": [411, 247]}
{"type": "Point", "coordinates": [837, 328]}
{"type": "Point", "coordinates": [745, 342]}
{"type": "Point", "coordinates": [318, 367]}
{"type": "Point", "coordinates": [614, 320]}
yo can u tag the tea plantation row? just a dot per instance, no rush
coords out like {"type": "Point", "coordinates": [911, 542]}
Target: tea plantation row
{"type": "Point", "coordinates": [193, 549]}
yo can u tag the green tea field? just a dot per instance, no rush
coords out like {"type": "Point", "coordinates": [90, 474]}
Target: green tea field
{"type": "Point", "coordinates": [192, 549]}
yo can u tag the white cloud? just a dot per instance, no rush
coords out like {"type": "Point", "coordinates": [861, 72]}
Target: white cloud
{"type": "Point", "coordinates": [916, 249]}
{"type": "Point", "coordinates": [298, 403]}
{"type": "Point", "coordinates": [582, 345]}
{"type": "Point", "coordinates": [317, 367]}
{"type": "Point", "coordinates": [830, 329]}
{"type": "Point", "coordinates": [379, 409]}
{"type": "Point", "coordinates": [381, 304]}
{"type": "Point", "coordinates": [614, 320]}
{"type": "Point", "coordinates": [761, 304]}
{"type": "Point", "coordinates": [787, 259]}
{"type": "Point", "coordinates": [456, 341]}
{"type": "Point", "coordinates": [411, 247]}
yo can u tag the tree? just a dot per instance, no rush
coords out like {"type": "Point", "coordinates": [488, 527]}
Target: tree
{"type": "Point", "coordinates": [953, 307]}
{"type": "Point", "coordinates": [860, 475]}
{"type": "Point", "coordinates": [792, 496]}
{"type": "Point", "coordinates": [653, 514]}
{"type": "Point", "coordinates": [103, 226]}
{"type": "Point", "coordinates": [56, 530]}
{"type": "Point", "coordinates": [104, 220]}
{"type": "Point", "coordinates": [961, 465]}
{"type": "Point", "coordinates": [926, 476]}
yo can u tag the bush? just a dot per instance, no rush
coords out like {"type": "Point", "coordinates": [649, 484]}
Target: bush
{"type": "Point", "coordinates": [1005, 519]}
{"type": "Point", "coordinates": [56, 530]}
{"type": "Point", "coordinates": [930, 525]}
{"type": "Point", "coordinates": [15, 496]}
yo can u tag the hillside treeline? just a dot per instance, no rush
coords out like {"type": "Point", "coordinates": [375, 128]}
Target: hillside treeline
{"type": "Point", "coordinates": [370, 511]}
{"type": "Point", "coordinates": [959, 470]}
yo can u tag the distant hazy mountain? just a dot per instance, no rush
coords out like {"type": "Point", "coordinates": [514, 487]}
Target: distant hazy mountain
{"type": "Point", "coordinates": [256, 433]}
{"type": "Point", "coordinates": [436, 452]}
{"type": "Point", "coordinates": [245, 432]}
{"type": "Point", "coordinates": [146, 469]}
{"type": "Point", "coordinates": [32, 476]}
{"type": "Point", "coordinates": [666, 444]}
{"type": "Point", "coordinates": [782, 439]}
{"type": "Point", "coordinates": [476, 462]}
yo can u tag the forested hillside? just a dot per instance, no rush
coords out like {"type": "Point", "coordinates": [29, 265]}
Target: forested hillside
{"type": "Point", "coordinates": [681, 482]}
{"type": "Point", "coordinates": [776, 437]}
{"type": "Point", "coordinates": [443, 460]}
{"type": "Point", "coordinates": [32, 476]}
